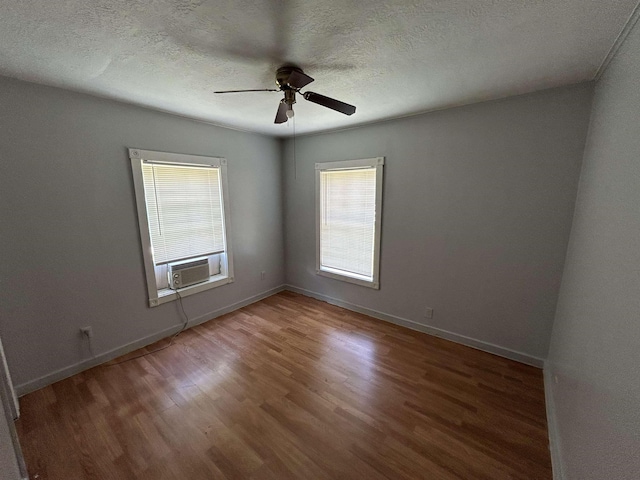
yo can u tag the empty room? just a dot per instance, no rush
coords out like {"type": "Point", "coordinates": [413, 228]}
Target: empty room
{"type": "Point", "coordinates": [287, 239]}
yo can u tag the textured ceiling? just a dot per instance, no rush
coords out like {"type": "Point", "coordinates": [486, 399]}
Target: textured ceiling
{"type": "Point", "coordinates": [389, 58]}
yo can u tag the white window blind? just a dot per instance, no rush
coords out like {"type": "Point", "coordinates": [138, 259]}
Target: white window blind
{"type": "Point", "coordinates": [184, 210]}
{"type": "Point", "coordinates": [348, 220]}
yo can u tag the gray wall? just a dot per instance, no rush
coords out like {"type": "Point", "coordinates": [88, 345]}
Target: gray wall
{"type": "Point", "coordinates": [477, 210]}
{"type": "Point", "coordinates": [8, 463]}
{"type": "Point", "coordinates": [595, 347]}
{"type": "Point", "coordinates": [70, 242]}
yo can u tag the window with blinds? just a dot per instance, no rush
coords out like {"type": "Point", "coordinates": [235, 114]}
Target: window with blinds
{"type": "Point", "coordinates": [183, 213]}
{"type": "Point", "coordinates": [348, 214]}
{"type": "Point", "coordinates": [184, 210]}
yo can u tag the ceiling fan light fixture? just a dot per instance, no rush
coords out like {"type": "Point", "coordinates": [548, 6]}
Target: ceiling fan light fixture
{"type": "Point", "coordinates": [290, 112]}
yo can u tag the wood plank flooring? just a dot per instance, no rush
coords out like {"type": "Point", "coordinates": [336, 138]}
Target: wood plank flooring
{"type": "Point", "coordinates": [291, 387]}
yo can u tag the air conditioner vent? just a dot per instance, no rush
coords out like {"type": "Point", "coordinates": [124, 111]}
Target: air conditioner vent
{"type": "Point", "coordinates": [188, 273]}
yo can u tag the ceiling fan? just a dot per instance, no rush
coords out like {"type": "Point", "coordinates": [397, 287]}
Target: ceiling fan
{"type": "Point", "coordinates": [289, 80]}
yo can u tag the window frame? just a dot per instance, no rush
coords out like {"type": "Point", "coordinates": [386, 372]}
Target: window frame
{"type": "Point", "coordinates": [160, 296]}
{"type": "Point", "coordinates": [378, 164]}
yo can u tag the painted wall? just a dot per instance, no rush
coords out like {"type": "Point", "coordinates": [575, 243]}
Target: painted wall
{"type": "Point", "coordinates": [477, 209]}
{"type": "Point", "coordinates": [71, 252]}
{"type": "Point", "coordinates": [8, 464]}
{"type": "Point", "coordinates": [595, 347]}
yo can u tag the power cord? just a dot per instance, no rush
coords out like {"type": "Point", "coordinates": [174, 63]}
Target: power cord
{"type": "Point", "coordinates": [87, 333]}
{"type": "Point", "coordinates": [184, 327]}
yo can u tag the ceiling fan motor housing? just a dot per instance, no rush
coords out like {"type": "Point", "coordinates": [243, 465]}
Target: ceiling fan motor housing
{"type": "Point", "coordinates": [283, 74]}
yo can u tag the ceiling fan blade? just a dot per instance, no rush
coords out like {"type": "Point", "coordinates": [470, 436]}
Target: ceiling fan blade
{"type": "Point", "coordinates": [299, 79]}
{"type": "Point", "coordinates": [281, 116]}
{"type": "Point", "coordinates": [242, 91]}
{"type": "Point", "coordinates": [331, 103]}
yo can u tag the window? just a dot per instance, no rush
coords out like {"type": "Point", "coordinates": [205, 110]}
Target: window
{"type": "Point", "coordinates": [183, 216]}
{"type": "Point", "coordinates": [348, 217]}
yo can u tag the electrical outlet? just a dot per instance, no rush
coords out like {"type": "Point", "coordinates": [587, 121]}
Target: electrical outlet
{"type": "Point", "coordinates": [87, 331]}
{"type": "Point", "coordinates": [262, 275]}
{"type": "Point", "coordinates": [428, 313]}
{"type": "Point", "coordinates": [555, 379]}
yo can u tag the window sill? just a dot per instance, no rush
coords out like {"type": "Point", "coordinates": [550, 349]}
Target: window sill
{"type": "Point", "coordinates": [168, 295]}
{"type": "Point", "coordinates": [358, 280]}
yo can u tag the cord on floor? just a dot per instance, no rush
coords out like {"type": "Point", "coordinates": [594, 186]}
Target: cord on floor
{"type": "Point", "coordinates": [184, 327]}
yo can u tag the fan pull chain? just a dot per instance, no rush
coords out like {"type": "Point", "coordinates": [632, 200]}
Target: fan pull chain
{"type": "Point", "coordinates": [295, 164]}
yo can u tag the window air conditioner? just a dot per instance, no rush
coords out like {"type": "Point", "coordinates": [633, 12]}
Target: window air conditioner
{"type": "Point", "coordinates": [188, 273]}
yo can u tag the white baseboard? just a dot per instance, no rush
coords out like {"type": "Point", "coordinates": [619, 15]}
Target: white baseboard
{"type": "Point", "coordinates": [454, 337]}
{"type": "Point", "coordinates": [66, 372]}
{"type": "Point", "coordinates": [552, 424]}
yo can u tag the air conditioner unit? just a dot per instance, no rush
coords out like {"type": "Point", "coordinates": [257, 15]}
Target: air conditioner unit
{"type": "Point", "coordinates": [188, 273]}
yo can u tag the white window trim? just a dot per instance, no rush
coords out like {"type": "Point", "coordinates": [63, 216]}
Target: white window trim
{"type": "Point", "coordinates": [158, 297]}
{"type": "Point", "coordinates": [378, 163]}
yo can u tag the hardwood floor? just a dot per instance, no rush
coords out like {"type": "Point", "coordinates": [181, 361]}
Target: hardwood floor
{"type": "Point", "coordinates": [291, 387]}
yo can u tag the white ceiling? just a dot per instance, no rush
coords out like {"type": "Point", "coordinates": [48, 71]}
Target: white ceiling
{"type": "Point", "coordinates": [390, 58]}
